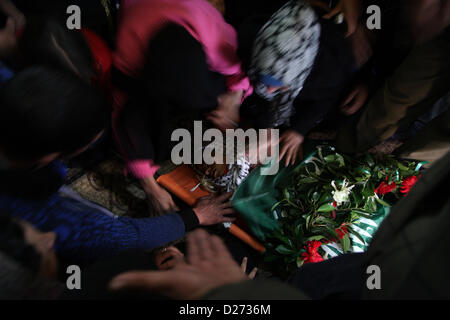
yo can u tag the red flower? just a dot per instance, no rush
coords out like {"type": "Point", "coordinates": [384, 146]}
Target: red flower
{"type": "Point", "coordinates": [384, 188]}
{"type": "Point", "coordinates": [407, 184]}
{"type": "Point", "coordinates": [311, 255]}
{"type": "Point", "coordinates": [342, 231]}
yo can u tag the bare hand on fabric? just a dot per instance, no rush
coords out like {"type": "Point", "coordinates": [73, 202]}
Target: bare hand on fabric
{"type": "Point", "coordinates": [226, 116]}
{"type": "Point", "coordinates": [351, 9]}
{"type": "Point", "coordinates": [159, 199]}
{"type": "Point", "coordinates": [291, 146]}
{"type": "Point", "coordinates": [213, 210]}
{"type": "Point", "coordinates": [209, 265]}
{"type": "Point", "coordinates": [355, 100]}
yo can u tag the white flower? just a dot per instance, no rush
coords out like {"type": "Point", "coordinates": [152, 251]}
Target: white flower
{"type": "Point", "coordinates": [341, 196]}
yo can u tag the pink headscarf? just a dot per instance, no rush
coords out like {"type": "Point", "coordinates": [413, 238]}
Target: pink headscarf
{"type": "Point", "coordinates": [142, 19]}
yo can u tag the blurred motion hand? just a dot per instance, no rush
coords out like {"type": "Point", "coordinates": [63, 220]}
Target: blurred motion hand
{"type": "Point", "coordinates": [226, 116]}
{"type": "Point", "coordinates": [291, 146]}
{"type": "Point", "coordinates": [355, 100]}
{"type": "Point", "coordinates": [167, 258]}
{"type": "Point", "coordinates": [213, 210]}
{"type": "Point", "coordinates": [209, 265]}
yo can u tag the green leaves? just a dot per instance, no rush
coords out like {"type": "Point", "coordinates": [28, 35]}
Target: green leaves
{"type": "Point", "coordinates": [345, 243]}
{"type": "Point", "coordinates": [316, 238]}
{"type": "Point", "coordinates": [283, 250]}
{"type": "Point", "coordinates": [382, 202]}
{"type": "Point", "coordinates": [305, 206]}
{"type": "Point", "coordinates": [326, 208]}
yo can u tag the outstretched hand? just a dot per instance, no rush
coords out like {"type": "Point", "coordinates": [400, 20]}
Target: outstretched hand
{"type": "Point", "coordinates": [213, 210]}
{"type": "Point", "coordinates": [291, 146]}
{"type": "Point", "coordinates": [209, 265]}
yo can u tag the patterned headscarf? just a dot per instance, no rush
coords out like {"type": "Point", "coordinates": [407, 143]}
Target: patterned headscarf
{"type": "Point", "coordinates": [284, 52]}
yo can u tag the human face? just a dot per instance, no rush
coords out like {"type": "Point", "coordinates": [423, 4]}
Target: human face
{"type": "Point", "coordinates": [43, 243]}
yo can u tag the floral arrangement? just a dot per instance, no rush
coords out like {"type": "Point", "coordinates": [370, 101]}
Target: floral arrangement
{"type": "Point", "coordinates": [327, 196]}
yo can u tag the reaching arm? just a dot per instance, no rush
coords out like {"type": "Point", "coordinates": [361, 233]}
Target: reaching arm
{"type": "Point", "coordinates": [86, 234]}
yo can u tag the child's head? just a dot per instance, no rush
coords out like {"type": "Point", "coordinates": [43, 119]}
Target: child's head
{"type": "Point", "coordinates": [47, 114]}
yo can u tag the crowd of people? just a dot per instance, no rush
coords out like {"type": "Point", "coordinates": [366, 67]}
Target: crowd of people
{"type": "Point", "coordinates": [139, 69]}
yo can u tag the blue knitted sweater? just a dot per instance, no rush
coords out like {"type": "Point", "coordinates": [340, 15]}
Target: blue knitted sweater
{"type": "Point", "coordinates": [85, 234]}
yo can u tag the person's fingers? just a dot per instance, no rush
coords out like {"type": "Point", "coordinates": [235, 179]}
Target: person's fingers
{"type": "Point", "coordinates": [205, 198]}
{"type": "Point", "coordinates": [170, 252]}
{"type": "Point", "coordinates": [213, 117]}
{"type": "Point", "coordinates": [151, 281]}
{"type": "Point", "coordinates": [169, 264]}
{"type": "Point", "coordinates": [193, 250]}
{"type": "Point", "coordinates": [244, 264]}
{"type": "Point", "coordinates": [219, 248]}
{"type": "Point", "coordinates": [226, 205]}
{"type": "Point", "coordinates": [351, 27]}
{"type": "Point", "coordinates": [199, 246]}
{"type": "Point", "coordinates": [294, 155]}
{"type": "Point", "coordinates": [333, 12]}
{"type": "Point", "coordinates": [352, 108]}
{"type": "Point", "coordinates": [227, 211]}
{"type": "Point", "coordinates": [349, 98]}
{"type": "Point", "coordinates": [289, 155]}
{"type": "Point", "coordinates": [284, 150]}
{"type": "Point", "coordinates": [224, 197]}
{"type": "Point", "coordinates": [221, 120]}
{"type": "Point", "coordinates": [160, 257]}
{"type": "Point", "coordinates": [252, 274]}
{"type": "Point", "coordinates": [172, 206]}
{"type": "Point", "coordinates": [175, 250]}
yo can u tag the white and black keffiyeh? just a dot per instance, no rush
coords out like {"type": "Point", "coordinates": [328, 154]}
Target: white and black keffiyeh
{"type": "Point", "coordinates": [285, 49]}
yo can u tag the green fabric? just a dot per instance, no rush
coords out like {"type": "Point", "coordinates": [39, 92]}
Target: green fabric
{"type": "Point", "coordinates": [366, 229]}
